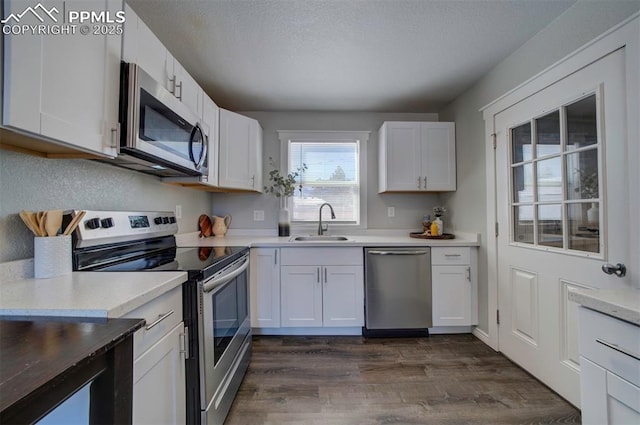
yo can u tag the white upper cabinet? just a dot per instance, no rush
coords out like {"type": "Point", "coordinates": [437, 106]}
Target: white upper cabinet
{"type": "Point", "coordinates": [211, 126]}
{"type": "Point", "coordinates": [141, 46]}
{"type": "Point", "coordinates": [240, 160]}
{"type": "Point", "coordinates": [417, 157]}
{"type": "Point", "coordinates": [64, 88]}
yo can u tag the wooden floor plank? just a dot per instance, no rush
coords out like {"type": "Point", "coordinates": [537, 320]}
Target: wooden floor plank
{"type": "Point", "coordinates": [442, 379]}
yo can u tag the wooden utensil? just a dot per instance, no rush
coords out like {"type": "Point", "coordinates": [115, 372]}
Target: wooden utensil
{"type": "Point", "coordinates": [34, 223]}
{"type": "Point", "coordinates": [40, 216]}
{"type": "Point", "coordinates": [74, 223]}
{"type": "Point", "coordinates": [53, 222]}
{"type": "Point", "coordinates": [24, 215]}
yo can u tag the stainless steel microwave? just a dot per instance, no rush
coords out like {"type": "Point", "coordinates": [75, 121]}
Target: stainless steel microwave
{"type": "Point", "coordinates": [159, 134]}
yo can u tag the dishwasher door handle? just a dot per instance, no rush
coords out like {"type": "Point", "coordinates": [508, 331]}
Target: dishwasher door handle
{"type": "Point", "coordinates": [398, 252]}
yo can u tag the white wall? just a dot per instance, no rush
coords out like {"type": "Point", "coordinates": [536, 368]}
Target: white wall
{"type": "Point", "coordinates": [34, 183]}
{"type": "Point", "coordinates": [409, 207]}
{"type": "Point", "coordinates": [581, 23]}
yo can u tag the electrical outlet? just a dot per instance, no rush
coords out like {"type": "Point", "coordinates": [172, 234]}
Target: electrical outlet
{"type": "Point", "coordinates": [178, 211]}
{"type": "Point", "coordinates": [258, 215]}
{"type": "Point", "coordinates": [391, 211]}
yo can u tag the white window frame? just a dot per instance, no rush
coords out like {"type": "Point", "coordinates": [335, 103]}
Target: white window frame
{"type": "Point", "coordinates": [319, 136]}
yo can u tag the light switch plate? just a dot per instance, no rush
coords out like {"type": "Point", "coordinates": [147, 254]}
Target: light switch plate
{"type": "Point", "coordinates": [258, 215]}
{"type": "Point", "coordinates": [391, 211]}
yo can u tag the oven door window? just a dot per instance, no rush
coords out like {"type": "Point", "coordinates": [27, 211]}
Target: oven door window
{"type": "Point", "coordinates": [229, 312]}
{"type": "Point", "coordinates": [164, 129]}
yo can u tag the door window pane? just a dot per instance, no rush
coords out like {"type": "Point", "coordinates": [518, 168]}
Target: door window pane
{"type": "Point", "coordinates": [549, 179]}
{"type": "Point", "coordinates": [584, 226]}
{"type": "Point", "coordinates": [550, 225]}
{"type": "Point", "coordinates": [548, 135]}
{"type": "Point", "coordinates": [582, 175]}
{"type": "Point", "coordinates": [582, 127]}
{"type": "Point", "coordinates": [523, 224]}
{"type": "Point", "coordinates": [521, 143]}
{"type": "Point", "coordinates": [523, 183]}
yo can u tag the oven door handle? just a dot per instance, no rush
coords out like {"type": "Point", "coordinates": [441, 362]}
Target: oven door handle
{"type": "Point", "coordinates": [211, 285]}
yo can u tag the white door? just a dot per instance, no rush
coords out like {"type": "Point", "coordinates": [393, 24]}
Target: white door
{"type": "Point", "coordinates": [438, 156]}
{"type": "Point", "coordinates": [343, 296]}
{"type": "Point", "coordinates": [237, 150]}
{"type": "Point", "coordinates": [301, 293]}
{"type": "Point", "coordinates": [402, 153]}
{"type": "Point", "coordinates": [265, 288]}
{"type": "Point", "coordinates": [561, 181]}
{"type": "Point", "coordinates": [451, 292]}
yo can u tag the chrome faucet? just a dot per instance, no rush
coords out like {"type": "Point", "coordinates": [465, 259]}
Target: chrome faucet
{"type": "Point", "coordinates": [321, 230]}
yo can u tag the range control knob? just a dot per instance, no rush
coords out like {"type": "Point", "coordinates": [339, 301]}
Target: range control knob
{"type": "Point", "coordinates": [92, 223]}
{"type": "Point", "coordinates": [172, 220]}
{"type": "Point", "coordinates": [157, 220]}
{"type": "Point", "coordinates": [106, 223]}
{"type": "Point", "coordinates": [165, 220]}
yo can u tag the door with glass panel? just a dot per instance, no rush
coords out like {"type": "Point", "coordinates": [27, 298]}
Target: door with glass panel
{"type": "Point", "coordinates": [561, 180]}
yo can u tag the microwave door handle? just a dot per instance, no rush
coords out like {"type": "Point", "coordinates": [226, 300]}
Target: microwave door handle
{"type": "Point", "coordinates": [203, 155]}
{"type": "Point", "coordinates": [211, 285]}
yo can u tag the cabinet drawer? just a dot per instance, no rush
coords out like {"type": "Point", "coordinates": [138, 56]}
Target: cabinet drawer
{"type": "Point", "coordinates": [450, 256]}
{"type": "Point", "coordinates": [604, 340]}
{"type": "Point", "coordinates": [155, 328]}
{"type": "Point", "coordinates": [321, 256]}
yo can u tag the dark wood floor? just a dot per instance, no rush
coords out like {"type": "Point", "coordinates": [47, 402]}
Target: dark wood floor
{"type": "Point", "coordinates": [443, 379]}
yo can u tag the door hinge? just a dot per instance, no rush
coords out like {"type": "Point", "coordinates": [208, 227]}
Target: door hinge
{"type": "Point", "coordinates": [494, 136]}
{"type": "Point", "coordinates": [498, 317]}
{"type": "Point", "coordinates": [497, 229]}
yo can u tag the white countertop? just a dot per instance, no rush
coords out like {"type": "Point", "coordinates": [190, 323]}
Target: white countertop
{"type": "Point", "coordinates": [262, 241]}
{"type": "Point", "coordinates": [621, 303]}
{"type": "Point", "coordinates": [85, 294]}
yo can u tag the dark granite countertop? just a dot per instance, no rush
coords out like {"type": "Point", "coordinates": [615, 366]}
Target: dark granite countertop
{"type": "Point", "coordinates": [41, 356]}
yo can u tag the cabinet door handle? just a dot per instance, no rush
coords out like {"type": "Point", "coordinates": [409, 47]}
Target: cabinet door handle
{"type": "Point", "coordinates": [425, 182]}
{"type": "Point", "coordinates": [185, 341]}
{"type": "Point", "coordinates": [253, 181]}
{"type": "Point", "coordinates": [452, 255]}
{"type": "Point", "coordinates": [325, 275]}
{"type": "Point", "coordinates": [419, 182]}
{"type": "Point", "coordinates": [160, 319]}
{"type": "Point", "coordinates": [469, 274]}
{"type": "Point", "coordinates": [618, 348]}
{"type": "Point", "coordinates": [178, 86]}
{"type": "Point", "coordinates": [275, 258]}
{"type": "Point", "coordinates": [318, 275]}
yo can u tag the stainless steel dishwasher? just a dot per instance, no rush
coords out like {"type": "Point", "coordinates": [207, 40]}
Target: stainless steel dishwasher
{"type": "Point", "coordinates": [397, 291]}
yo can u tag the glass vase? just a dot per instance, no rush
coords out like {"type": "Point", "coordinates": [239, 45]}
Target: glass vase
{"type": "Point", "coordinates": [284, 218]}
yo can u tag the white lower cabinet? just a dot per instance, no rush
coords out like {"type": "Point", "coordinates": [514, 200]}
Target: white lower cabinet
{"type": "Point", "coordinates": [265, 287]}
{"type": "Point", "coordinates": [609, 369]}
{"type": "Point", "coordinates": [454, 286]}
{"type": "Point", "coordinates": [289, 289]}
{"type": "Point", "coordinates": [159, 386]}
{"type": "Point", "coordinates": [159, 382]}
{"type": "Point", "coordinates": [328, 296]}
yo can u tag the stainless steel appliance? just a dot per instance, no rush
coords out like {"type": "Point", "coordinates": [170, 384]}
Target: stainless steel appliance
{"type": "Point", "coordinates": [159, 134]}
{"type": "Point", "coordinates": [215, 297]}
{"type": "Point", "coordinates": [397, 291]}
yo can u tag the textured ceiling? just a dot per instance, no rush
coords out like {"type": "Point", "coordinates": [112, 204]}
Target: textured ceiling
{"type": "Point", "coordinates": [349, 55]}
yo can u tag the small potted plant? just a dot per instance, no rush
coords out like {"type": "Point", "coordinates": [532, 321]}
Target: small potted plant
{"type": "Point", "coordinates": [283, 187]}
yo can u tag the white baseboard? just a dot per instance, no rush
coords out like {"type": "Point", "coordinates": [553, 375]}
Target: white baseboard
{"type": "Point", "coordinates": [308, 331]}
{"type": "Point", "coordinates": [481, 335]}
{"type": "Point", "coordinates": [438, 330]}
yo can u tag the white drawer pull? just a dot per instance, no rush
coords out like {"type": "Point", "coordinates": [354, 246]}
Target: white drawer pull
{"type": "Point", "coordinates": [618, 348]}
{"type": "Point", "coordinates": [160, 319]}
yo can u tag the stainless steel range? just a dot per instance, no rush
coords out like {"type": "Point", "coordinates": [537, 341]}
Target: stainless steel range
{"type": "Point", "coordinates": [215, 297]}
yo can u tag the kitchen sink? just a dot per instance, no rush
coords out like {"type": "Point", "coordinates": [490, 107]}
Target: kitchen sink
{"type": "Point", "coordinates": [316, 238]}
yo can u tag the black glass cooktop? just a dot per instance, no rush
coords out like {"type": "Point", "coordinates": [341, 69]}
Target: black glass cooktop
{"type": "Point", "coordinates": [157, 255]}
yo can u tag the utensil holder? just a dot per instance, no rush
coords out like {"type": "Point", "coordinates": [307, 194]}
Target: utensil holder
{"type": "Point", "coordinates": [51, 256]}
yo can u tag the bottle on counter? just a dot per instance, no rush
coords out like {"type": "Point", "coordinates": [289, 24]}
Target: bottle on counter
{"type": "Point", "coordinates": [434, 228]}
{"type": "Point", "coordinates": [439, 225]}
{"type": "Point", "coordinates": [426, 223]}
